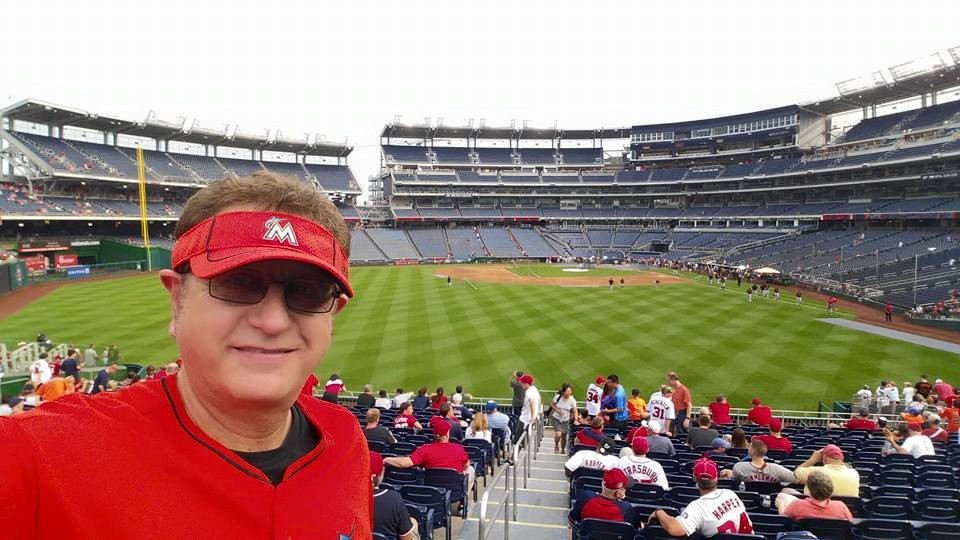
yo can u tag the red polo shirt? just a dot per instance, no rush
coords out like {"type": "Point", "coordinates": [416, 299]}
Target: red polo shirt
{"type": "Point", "coordinates": [861, 423]}
{"type": "Point", "coordinates": [760, 415]}
{"type": "Point", "coordinates": [721, 413]}
{"type": "Point", "coordinates": [440, 455]}
{"type": "Point", "coordinates": [186, 485]}
{"type": "Point", "coordinates": [776, 443]}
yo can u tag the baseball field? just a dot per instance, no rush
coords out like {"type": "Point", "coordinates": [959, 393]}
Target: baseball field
{"type": "Point", "coordinates": [407, 327]}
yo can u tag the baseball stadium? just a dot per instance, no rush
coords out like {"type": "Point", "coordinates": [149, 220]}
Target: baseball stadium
{"type": "Point", "coordinates": [792, 257]}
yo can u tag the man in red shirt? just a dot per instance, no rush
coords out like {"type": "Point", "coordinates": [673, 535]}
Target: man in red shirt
{"type": "Point", "coordinates": [943, 390]}
{"type": "Point", "coordinates": [862, 421]}
{"type": "Point", "coordinates": [888, 312]}
{"type": "Point", "coordinates": [609, 504]}
{"type": "Point", "coordinates": [935, 432]}
{"type": "Point", "coordinates": [759, 414]}
{"type": "Point", "coordinates": [405, 418]}
{"type": "Point", "coordinates": [440, 454]}
{"type": "Point", "coordinates": [774, 440]}
{"type": "Point", "coordinates": [591, 436]}
{"type": "Point", "coordinates": [720, 410]}
{"type": "Point", "coordinates": [260, 269]}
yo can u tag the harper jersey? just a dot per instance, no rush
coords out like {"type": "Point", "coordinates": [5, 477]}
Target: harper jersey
{"type": "Point", "coordinates": [643, 470]}
{"type": "Point", "coordinates": [592, 460]}
{"type": "Point", "coordinates": [719, 511]}
{"type": "Point", "coordinates": [661, 408]}
{"type": "Point", "coordinates": [594, 393]}
{"type": "Point", "coordinates": [186, 484]}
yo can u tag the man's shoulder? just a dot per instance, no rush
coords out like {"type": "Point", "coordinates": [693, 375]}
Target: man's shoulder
{"type": "Point", "coordinates": [330, 415]}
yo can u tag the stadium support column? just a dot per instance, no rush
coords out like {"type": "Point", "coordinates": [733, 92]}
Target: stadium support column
{"type": "Point", "coordinates": [144, 229]}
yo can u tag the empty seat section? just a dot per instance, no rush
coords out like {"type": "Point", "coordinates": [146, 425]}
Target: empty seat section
{"type": "Point", "coordinates": [393, 243]}
{"type": "Point", "coordinates": [537, 156]}
{"type": "Point", "coordinates": [362, 247]}
{"type": "Point", "coordinates": [464, 243]}
{"type": "Point", "coordinates": [533, 244]}
{"type": "Point", "coordinates": [499, 242]}
{"type": "Point", "coordinates": [405, 154]}
{"type": "Point", "coordinates": [333, 177]}
{"type": "Point", "coordinates": [582, 156]}
{"type": "Point", "coordinates": [430, 242]}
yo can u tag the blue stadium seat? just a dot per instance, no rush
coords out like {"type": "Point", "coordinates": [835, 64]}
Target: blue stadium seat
{"type": "Point", "coordinates": [938, 531]}
{"type": "Point", "coordinates": [932, 509]}
{"type": "Point", "coordinates": [424, 518]}
{"type": "Point", "coordinates": [827, 528]}
{"type": "Point", "coordinates": [432, 498]}
{"type": "Point", "coordinates": [452, 481]}
{"type": "Point", "coordinates": [883, 529]}
{"type": "Point", "coordinates": [602, 529]}
{"type": "Point", "coordinates": [888, 507]}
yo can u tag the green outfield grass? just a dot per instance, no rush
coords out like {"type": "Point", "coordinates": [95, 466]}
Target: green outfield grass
{"type": "Point", "coordinates": [542, 270]}
{"type": "Point", "coordinates": [407, 328]}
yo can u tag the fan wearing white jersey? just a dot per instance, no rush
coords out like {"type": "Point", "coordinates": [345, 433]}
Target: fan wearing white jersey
{"type": "Point", "coordinates": [661, 407]}
{"type": "Point", "coordinates": [601, 459]}
{"type": "Point", "coordinates": [716, 511]}
{"type": "Point", "coordinates": [642, 469]}
{"type": "Point", "coordinates": [594, 393]}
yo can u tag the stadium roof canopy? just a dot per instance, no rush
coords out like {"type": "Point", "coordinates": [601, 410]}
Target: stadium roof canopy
{"type": "Point", "coordinates": [909, 80]}
{"type": "Point", "coordinates": [428, 131]}
{"type": "Point", "coordinates": [39, 112]}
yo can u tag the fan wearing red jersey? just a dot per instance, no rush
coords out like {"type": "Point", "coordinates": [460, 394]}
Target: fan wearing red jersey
{"type": "Point", "coordinates": [716, 511]}
{"type": "Point", "coordinates": [260, 270]}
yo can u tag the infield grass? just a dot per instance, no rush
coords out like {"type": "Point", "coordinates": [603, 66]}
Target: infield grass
{"type": "Point", "coordinates": [407, 328]}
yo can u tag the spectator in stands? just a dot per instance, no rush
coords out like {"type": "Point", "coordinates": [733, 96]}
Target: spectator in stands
{"type": "Point", "coordinates": [916, 444]}
{"type": "Point", "coordinates": [758, 469]}
{"type": "Point", "coordinates": [609, 504]}
{"type": "Point", "coordinates": [863, 397]}
{"type": "Point", "coordinates": [374, 431]}
{"type": "Point", "coordinates": [421, 401]}
{"type": "Point", "coordinates": [942, 390]}
{"type": "Point", "coordinates": [390, 515]}
{"type": "Point", "coordinates": [456, 425]}
{"type": "Point", "coordinates": [40, 370]}
{"type": "Point", "coordinates": [591, 436]}
{"type": "Point", "coordinates": [701, 434]}
{"type": "Point", "coordinates": [892, 394]}
{"type": "Point", "coordinates": [682, 403]}
{"type": "Point", "coordinates": [908, 392]}
{"type": "Point", "coordinates": [531, 410]}
{"type": "Point", "coordinates": [479, 428]}
{"type": "Point", "coordinates": [636, 406]}
{"type": "Point", "coordinates": [459, 410]}
{"type": "Point", "coordinates": [846, 480]}
{"type": "Point", "coordinates": [593, 396]}
{"type": "Point", "coordinates": [716, 511]}
{"type": "Point", "coordinates": [401, 397]}
{"type": "Point", "coordinates": [440, 454]}
{"type": "Point", "coordinates": [518, 391]}
{"type": "Point", "coordinates": [133, 377]}
{"type": "Point", "coordinates": [90, 356]}
{"type": "Point", "coordinates": [899, 434]}
{"type": "Point", "coordinates": [55, 388]}
{"type": "Point", "coordinates": [608, 401]}
{"type": "Point", "coordinates": [774, 440]}
{"type": "Point", "coordinates": [307, 389]}
{"type": "Point", "coordinates": [600, 458]}
{"type": "Point", "coordinates": [639, 467]}
{"type": "Point", "coordinates": [366, 399]}
{"type": "Point", "coordinates": [102, 381]}
{"type": "Point", "coordinates": [498, 420]}
{"type": "Point", "coordinates": [660, 405]}
{"type": "Point", "coordinates": [759, 414]}
{"type": "Point", "coordinates": [463, 395]}
{"type": "Point", "coordinates": [935, 432]}
{"type": "Point", "coordinates": [817, 505]}
{"type": "Point", "coordinates": [658, 443]}
{"type": "Point", "coordinates": [382, 402]}
{"type": "Point", "coordinates": [952, 414]}
{"type": "Point", "coordinates": [563, 409]}
{"type": "Point", "coordinates": [923, 387]}
{"type": "Point", "coordinates": [914, 413]}
{"type": "Point", "coordinates": [718, 447]}
{"type": "Point", "coordinates": [405, 418]}
{"type": "Point", "coordinates": [952, 401]}
{"type": "Point", "coordinates": [334, 385]}
{"type": "Point", "coordinates": [862, 421]}
{"type": "Point", "coordinates": [250, 324]}
{"type": "Point", "coordinates": [438, 398]}
{"type": "Point", "coordinates": [738, 438]}
{"type": "Point", "coordinates": [720, 410]}
{"type": "Point", "coordinates": [71, 365]}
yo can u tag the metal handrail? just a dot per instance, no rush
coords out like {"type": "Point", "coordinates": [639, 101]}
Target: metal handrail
{"type": "Point", "coordinates": [483, 532]}
{"type": "Point", "coordinates": [515, 462]}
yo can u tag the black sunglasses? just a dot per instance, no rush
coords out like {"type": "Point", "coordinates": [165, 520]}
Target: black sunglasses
{"type": "Point", "coordinates": [244, 286]}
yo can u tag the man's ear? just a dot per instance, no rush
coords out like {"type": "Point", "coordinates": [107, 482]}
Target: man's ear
{"type": "Point", "coordinates": [174, 282]}
{"type": "Point", "coordinates": [341, 303]}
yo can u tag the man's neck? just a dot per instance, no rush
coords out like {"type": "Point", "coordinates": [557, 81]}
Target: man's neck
{"type": "Point", "coordinates": [371, 426]}
{"type": "Point", "coordinates": [758, 462]}
{"type": "Point", "coordinates": [242, 430]}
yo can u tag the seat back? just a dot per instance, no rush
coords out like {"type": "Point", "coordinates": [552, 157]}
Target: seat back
{"type": "Point", "coordinates": [424, 518]}
{"type": "Point", "coordinates": [765, 488]}
{"type": "Point", "coordinates": [946, 510]}
{"type": "Point", "coordinates": [938, 531]}
{"type": "Point", "coordinates": [827, 528]}
{"type": "Point", "coordinates": [402, 477]}
{"type": "Point", "coordinates": [450, 479]}
{"type": "Point", "coordinates": [883, 529]}
{"type": "Point", "coordinates": [603, 529]}
{"type": "Point", "coordinates": [889, 507]}
{"type": "Point", "coordinates": [432, 498]}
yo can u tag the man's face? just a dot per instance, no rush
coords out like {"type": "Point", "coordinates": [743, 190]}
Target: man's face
{"type": "Point", "coordinates": [243, 353]}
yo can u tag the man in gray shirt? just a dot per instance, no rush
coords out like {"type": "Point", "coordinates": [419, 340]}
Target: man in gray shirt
{"type": "Point", "coordinates": [90, 356]}
{"type": "Point", "coordinates": [659, 443]}
{"type": "Point", "coordinates": [518, 391]}
{"type": "Point", "coordinates": [758, 469]}
{"type": "Point", "coordinates": [702, 434]}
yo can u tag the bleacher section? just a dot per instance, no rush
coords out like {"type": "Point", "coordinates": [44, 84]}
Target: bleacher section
{"type": "Point", "coordinates": [464, 243]}
{"type": "Point", "coordinates": [393, 243]}
{"type": "Point", "coordinates": [362, 247]}
{"type": "Point", "coordinates": [430, 242]}
{"type": "Point", "coordinates": [499, 242]}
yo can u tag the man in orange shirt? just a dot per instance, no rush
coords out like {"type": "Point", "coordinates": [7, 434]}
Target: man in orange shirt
{"type": "Point", "coordinates": [682, 403]}
{"type": "Point", "coordinates": [54, 388]}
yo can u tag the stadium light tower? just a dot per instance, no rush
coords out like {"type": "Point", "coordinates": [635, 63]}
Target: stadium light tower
{"type": "Point", "coordinates": [916, 266]}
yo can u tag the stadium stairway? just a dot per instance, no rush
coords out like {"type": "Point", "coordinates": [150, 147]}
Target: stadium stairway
{"type": "Point", "coordinates": [541, 507]}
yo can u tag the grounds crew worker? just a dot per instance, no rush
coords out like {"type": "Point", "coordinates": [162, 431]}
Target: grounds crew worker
{"type": "Point", "coordinates": [227, 447]}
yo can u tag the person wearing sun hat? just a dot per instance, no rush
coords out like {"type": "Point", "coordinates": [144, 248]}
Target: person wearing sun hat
{"type": "Point", "coordinates": [716, 511]}
{"type": "Point", "coordinates": [259, 271]}
{"type": "Point", "coordinates": [609, 504]}
{"type": "Point", "coordinates": [846, 480]}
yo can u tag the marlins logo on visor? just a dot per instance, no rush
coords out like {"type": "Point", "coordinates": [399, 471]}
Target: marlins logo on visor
{"type": "Point", "coordinates": [280, 231]}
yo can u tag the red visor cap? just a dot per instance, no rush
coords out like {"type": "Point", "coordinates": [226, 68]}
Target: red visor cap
{"type": "Point", "coordinates": [233, 239]}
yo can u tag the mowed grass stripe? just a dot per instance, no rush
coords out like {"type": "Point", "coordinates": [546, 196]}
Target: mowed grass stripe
{"type": "Point", "coordinates": [407, 328]}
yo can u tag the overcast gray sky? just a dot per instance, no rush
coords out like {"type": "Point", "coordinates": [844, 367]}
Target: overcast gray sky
{"type": "Point", "coordinates": [345, 68]}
